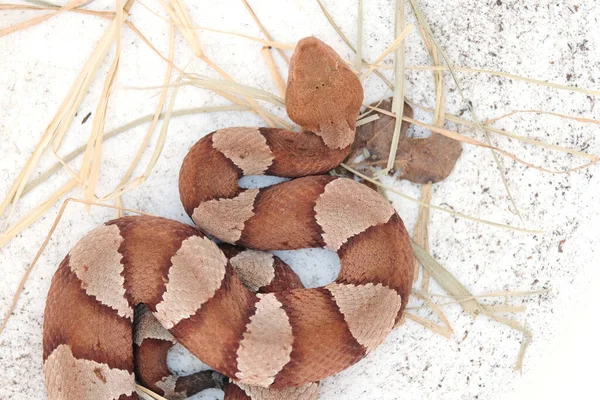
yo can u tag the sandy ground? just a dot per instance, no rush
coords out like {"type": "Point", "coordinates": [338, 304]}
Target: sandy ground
{"type": "Point", "coordinates": [557, 42]}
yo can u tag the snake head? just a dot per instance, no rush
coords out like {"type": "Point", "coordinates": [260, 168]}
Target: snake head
{"type": "Point", "coordinates": [323, 94]}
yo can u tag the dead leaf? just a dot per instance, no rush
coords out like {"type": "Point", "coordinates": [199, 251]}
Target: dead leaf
{"type": "Point", "coordinates": [419, 160]}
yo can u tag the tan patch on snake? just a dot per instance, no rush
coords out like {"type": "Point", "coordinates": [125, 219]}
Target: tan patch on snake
{"type": "Point", "coordinates": [305, 392]}
{"type": "Point", "coordinates": [196, 273]}
{"type": "Point", "coordinates": [96, 261]}
{"type": "Point", "coordinates": [266, 345]}
{"type": "Point", "coordinates": [369, 310]}
{"type": "Point", "coordinates": [255, 268]}
{"type": "Point", "coordinates": [225, 218]}
{"type": "Point", "coordinates": [167, 384]}
{"type": "Point", "coordinates": [148, 327]}
{"type": "Point", "coordinates": [337, 211]}
{"type": "Point", "coordinates": [336, 136]}
{"type": "Point", "coordinates": [69, 378]}
{"type": "Point", "coordinates": [246, 147]}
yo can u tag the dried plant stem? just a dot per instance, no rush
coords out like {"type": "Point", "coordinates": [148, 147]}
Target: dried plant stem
{"type": "Point", "coordinates": [277, 78]}
{"type": "Point", "coordinates": [34, 21]}
{"type": "Point", "coordinates": [446, 280]}
{"type": "Point", "coordinates": [475, 142]}
{"type": "Point", "coordinates": [111, 134]}
{"type": "Point", "coordinates": [132, 184]}
{"type": "Point", "coordinates": [440, 330]}
{"type": "Point", "coordinates": [359, 36]}
{"type": "Point", "coordinates": [395, 44]}
{"type": "Point", "coordinates": [465, 139]}
{"type": "Point", "coordinates": [101, 14]}
{"type": "Point", "coordinates": [31, 266]}
{"type": "Point", "coordinates": [366, 120]}
{"type": "Point", "coordinates": [31, 217]}
{"type": "Point", "coordinates": [147, 394]}
{"type": "Point", "coordinates": [506, 75]}
{"type": "Point", "coordinates": [453, 213]}
{"type": "Point", "coordinates": [462, 121]}
{"type": "Point", "coordinates": [452, 286]}
{"type": "Point", "coordinates": [90, 166]}
{"type": "Point", "coordinates": [232, 87]}
{"type": "Point", "coordinates": [527, 336]}
{"type": "Point", "coordinates": [64, 116]}
{"type": "Point", "coordinates": [510, 114]}
{"type": "Point", "coordinates": [480, 296]}
{"type": "Point", "coordinates": [177, 12]}
{"type": "Point", "coordinates": [149, 44]}
{"type": "Point", "coordinates": [400, 32]}
{"type": "Point", "coordinates": [421, 233]}
{"type": "Point", "coordinates": [437, 310]}
{"type": "Point", "coordinates": [49, 4]}
{"type": "Point", "coordinates": [270, 43]}
{"type": "Point", "coordinates": [264, 30]}
{"type": "Point", "coordinates": [151, 128]}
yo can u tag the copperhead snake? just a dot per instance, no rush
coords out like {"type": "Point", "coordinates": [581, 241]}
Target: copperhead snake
{"type": "Point", "coordinates": [273, 338]}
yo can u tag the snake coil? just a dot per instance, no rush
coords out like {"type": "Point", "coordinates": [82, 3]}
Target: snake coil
{"type": "Point", "coordinates": [242, 312]}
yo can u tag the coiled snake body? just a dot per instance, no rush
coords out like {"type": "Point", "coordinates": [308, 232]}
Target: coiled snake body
{"type": "Point", "coordinates": [283, 338]}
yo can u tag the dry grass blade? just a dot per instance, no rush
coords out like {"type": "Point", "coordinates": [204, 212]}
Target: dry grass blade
{"type": "Point", "coordinates": [90, 170]}
{"type": "Point", "coordinates": [147, 394]}
{"type": "Point", "coordinates": [395, 44]}
{"type": "Point", "coordinates": [446, 280]}
{"type": "Point", "coordinates": [264, 30]}
{"type": "Point", "coordinates": [427, 30]}
{"type": "Point", "coordinates": [583, 120]}
{"type": "Point", "coordinates": [117, 131]}
{"type": "Point", "coordinates": [440, 330]}
{"type": "Point", "coordinates": [400, 33]}
{"type": "Point", "coordinates": [359, 36]}
{"type": "Point", "coordinates": [421, 233]}
{"type": "Point", "coordinates": [270, 43]}
{"type": "Point", "coordinates": [101, 14]}
{"type": "Point", "coordinates": [32, 216]}
{"type": "Point", "coordinates": [506, 75]}
{"type": "Point", "coordinates": [121, 189]}
{"type": "Point", "coordinates": [34, 21]}
{"type": "Point", "coordinates": [475, 142]}
{"type": "Point", "coordinates": [151, 46]}
{"type": "Point", "coordinates": [527, 336]}
{"type": "Point", "coordinates": [505, 308]}
{"type": "Point", "coordinates": [151, 128]}
{"type": "Point", "coordinates": [277, 78]}
{"type": "Point", "coordinates": [49, 4]}
{"type": "Point", "coordinates": [233, 88]}
{"type": "Point", "coordinates": [453, 213]}
{"type": "Point", "coordinates": [462, 121]}
{"type": "Point", "coordinates": [437, 310]}
{"type": "Point", "coordinates": [366, 120]}
{"type": "Point", "coordinates": [465, 139]}
{"type": "Point", "coordinates": [481, 296]}
{"type": "Point", "coordinates": [64, 116]}
{"type": "Point", "coordinates": [467, 301]}
{"type": "Point", "coordinates": [179, 15]}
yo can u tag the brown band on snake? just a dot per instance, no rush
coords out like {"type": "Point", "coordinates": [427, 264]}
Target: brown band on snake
{"type": "Point", "coordinates": [286, 339]}
{"type": "Point", "coordinates": [153, 341]}
{"type": "Point", "coordinates": [149, 255]}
